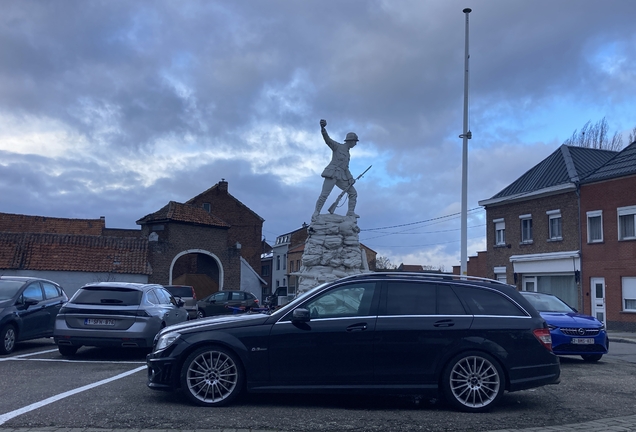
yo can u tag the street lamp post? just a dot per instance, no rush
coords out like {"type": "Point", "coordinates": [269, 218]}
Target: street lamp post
{"type": "Point", "coordinates": [466, 135]}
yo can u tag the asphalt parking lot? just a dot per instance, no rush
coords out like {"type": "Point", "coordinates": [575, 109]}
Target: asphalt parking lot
{"type": "Point", "coordinates": [104, 390]}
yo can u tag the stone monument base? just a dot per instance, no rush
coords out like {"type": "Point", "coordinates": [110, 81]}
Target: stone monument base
{"type": "Point", "coordinates": [332, 251]}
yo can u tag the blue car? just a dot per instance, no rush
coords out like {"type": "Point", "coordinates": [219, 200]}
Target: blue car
{"type": "Point", "coordinates": [573, 333]}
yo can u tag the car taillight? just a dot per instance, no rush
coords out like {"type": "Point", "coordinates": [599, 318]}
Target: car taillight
{"type": "Point", "coordinates": [543, 335]}
{"type": "Point", "coordinates": [142, 313]}
{"type": "Point", "coordinates": [256, 301]}
{"type": "Point", "coordinates": [194, 295]}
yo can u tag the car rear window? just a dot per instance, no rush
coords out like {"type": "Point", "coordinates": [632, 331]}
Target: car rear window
{"type": "Point", "coordinates": [184, 291]}
{"type": "Point", "coordinates": [114, 296]}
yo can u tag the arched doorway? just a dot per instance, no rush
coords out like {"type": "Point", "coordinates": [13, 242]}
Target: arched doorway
{"type": "Point", "coordinates": [199, 268]}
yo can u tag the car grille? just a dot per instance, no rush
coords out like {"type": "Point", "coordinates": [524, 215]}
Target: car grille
{"type": "Point", "coordinates": [579, 331]}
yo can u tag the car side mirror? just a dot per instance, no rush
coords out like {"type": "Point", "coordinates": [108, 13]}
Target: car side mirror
{"type": "Point", "coordinates": [30, 302]}
{"type": "Point", "coordinates": [180, 303]}
{"type": "Point", "coordinates": [300, 315]}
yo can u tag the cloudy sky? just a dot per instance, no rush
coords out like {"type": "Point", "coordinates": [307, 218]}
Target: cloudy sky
{"type": "Point", "coordinates": [114, 108]}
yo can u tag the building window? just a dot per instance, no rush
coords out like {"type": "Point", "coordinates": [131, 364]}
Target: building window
{"type": "Point", "coordinates": [500, 232]}
{"type": "Point", "coordinates": [554, 219]}
{"type": "Point", "coordinates": [277, 283]}
{"type": "Point", "coordinates": [629, 294]}
{"type": "Point", "coordinates": [500, 274]}
{"type": "Point", "coordinates": [284, 261]}
{"type": "Point", "coordinates": [526, 228]}
{"type": "Point", "coordinates": [626, 225]}
{"type": "Point", "coordinates": [291, 266]}
{"type": "Point", "coordinates": [265, 270]}
{"type": "Point", "coordinates": [297, 265]}
{"type": "Point", "coordinates": [595, 226]}
{"type": "Point", "coordinates": [277, 262]}
{"type": "Point", "coordinates": [207, 207]}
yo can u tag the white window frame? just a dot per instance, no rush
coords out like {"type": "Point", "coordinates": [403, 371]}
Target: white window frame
{"type": "Point", "coordinates": [500, 274]}
{"type": "Point", "coordinates": [594, 214]}
{"type": "Point", "coordinates": [626, 212]}
{"type": "Point", "coordinates": [628, 289]}
{"type": "Point", "coordinates": [552, 215]}
{"type": "Point", "coordinates": [500, 227]}
{"type": "Point", "coordinates": [522, 219]}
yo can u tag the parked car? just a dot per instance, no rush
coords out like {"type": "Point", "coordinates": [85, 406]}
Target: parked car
{"type": "Point", "coordinates": [28, 307]}
{"type": "Point", "coordinates": [466, 339]}
{"type": "Point", "coordinates": [187, 294]}
{"type": "Point", "coordinates": [226, 303]}
{"type": "Point", "coordinates": [573, 333]}
{"type": "Point", "coordinates": [115, 314]}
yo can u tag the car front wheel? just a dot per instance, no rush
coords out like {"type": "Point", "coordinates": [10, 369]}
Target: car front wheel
{"type": "Point", "coordinates": [7, 339]}
{"type": "Point", "coordinates": [473, 382]}
{"type": "Point", "coordinates": [200, 313]}
{"type": "Point", "coordinates": [212, 376]}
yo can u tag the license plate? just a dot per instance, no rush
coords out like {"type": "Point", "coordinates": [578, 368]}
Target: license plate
{"type": "Point", "coordinates": [101, 322]}
{"type": "Point", "coordinates": [582, 341]}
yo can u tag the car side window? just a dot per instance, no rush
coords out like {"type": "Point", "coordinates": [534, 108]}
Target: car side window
{"type": "Point", "coordinates": [164, 297]}
{"type": "Point", "coordinates": [220, 297]}
{"type": "Point", "coordinates": [50, 290]}
{"type": "Point", "coordinates": [482, 301]}
{"type": "Point", "coordinates": [152, 297]}
{"type": "Point", "coordinates": [34, 292]}
{"type": "Point", "coordinates": [237, 296]}
{"type": "Point", "coordinates": [343, 301]}
{"type": "Point", "coordinates": [411, 298]}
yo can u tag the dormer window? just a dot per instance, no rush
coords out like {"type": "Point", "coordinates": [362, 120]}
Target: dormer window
{"type": "Point", "coordinates": [207, 207]}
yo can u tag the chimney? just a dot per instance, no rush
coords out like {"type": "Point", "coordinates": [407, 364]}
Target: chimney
{"type": "Point", "coordinates": [223, 185]}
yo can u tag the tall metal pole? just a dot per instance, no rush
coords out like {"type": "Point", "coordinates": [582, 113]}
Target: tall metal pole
{"type": "Point", "coordinates": [466, 135]}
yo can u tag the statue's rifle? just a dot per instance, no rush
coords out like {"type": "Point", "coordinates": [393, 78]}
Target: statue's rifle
{"type": "Point", "coordinates": [332, 207]}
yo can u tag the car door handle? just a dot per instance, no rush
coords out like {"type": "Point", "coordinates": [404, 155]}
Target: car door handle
{"type": "Point", "coordinates": [444, 323]}
{"type": "Point", "coordinates": [357, 327]}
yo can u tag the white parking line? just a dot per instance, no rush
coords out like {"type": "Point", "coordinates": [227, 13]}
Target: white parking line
{"type": "Point", "coordinates": [26, 355]}
{"type": "Point", "coordinates": [81, 361]}
{"type": "Point", "coordinates": [8, 416]}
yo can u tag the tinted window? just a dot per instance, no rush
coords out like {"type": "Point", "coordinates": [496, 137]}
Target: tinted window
{"type": "Point", "coordinates": [343, 301]}
{"type": "Point", "coordinates": [486, 302]}
{"type": "Point", "coordinates": [118, 296]}
{"type": "Point", "coordinates": [9, 288]}
{"type": "Point", "coordinates": [34, 292]}
{"type": "Point", "coordinates": [417, 298]}
{"type": "Point", "coordinates": [50, 290]}
{"type": "Point", "coordinates": [163, 296]}
{"type": "Point", "coordinates": [220, 296]}
{"type": "Point", "coordinates": [152, 297]}
{"type": "Point", "coordinates": [406, 298]}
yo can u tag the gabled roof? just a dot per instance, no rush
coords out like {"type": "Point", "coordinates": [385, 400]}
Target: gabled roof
{"type": "Point", "coordinates": [177, 212]}
{"type": "Point", "coordinates": [218, 189]}
{"type": "Point", "coordinates": [565, 167]}
{"type": "Point", "coordinates": [622, 164]}
{"type": "Point", "coordinates": [19, 223]}
{"type": "Point", "coordinates": [72, 252]}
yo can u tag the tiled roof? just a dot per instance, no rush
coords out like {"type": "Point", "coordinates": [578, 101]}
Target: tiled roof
{"type": "Point", "coordinates": [221, 188]}
{"type": "Point", "coordinates": [41, 224]}
{"type": "Point", "coordinates": [622, 164]}
{"type": "Point", "coordinates": [72, 252]}
{"type": "Point", "coordinates": [178, 212]}
{"type": "Point", "coordinates": [568, 164]}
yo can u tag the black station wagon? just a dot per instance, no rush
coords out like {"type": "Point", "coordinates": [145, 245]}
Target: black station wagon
{"type": "Point", "coordinates": [462, 338]}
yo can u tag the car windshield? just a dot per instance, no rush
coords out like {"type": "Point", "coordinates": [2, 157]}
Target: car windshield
{"type": "Point", "coordinates": [298, 299]}
{"type": "Point", "coordinates": [548, 303]}
{"type": "Point", "coordinates": [9, 288]}
{"type": "Point", "coordinates": [104, 296]}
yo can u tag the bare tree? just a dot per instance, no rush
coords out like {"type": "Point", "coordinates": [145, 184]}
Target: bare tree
{"type": "Point", "coordinates": [384, 263]}
{"type": "Point", "coordinates": [632, 136]}
{"type": "Point", "coordinates": [596, 136]}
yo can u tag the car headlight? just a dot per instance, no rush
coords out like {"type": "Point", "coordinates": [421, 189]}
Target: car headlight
{"type": "Point", "coordinates": [166, 340]}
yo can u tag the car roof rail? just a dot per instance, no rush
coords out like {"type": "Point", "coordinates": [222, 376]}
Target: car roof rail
{"type": "Point", "coordinates": [424, 275]}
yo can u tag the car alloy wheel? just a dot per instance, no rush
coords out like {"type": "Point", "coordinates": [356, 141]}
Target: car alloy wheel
{"type": "Point", "coordinates": [212, 376]}
{"type": "Point", "coordinates": [7, 337]}
{"type": "Point", "coordinates": [473, 382]}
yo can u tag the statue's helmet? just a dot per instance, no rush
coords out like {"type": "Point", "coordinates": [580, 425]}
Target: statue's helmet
{"type": "Point", "coordinates": [351, 137]}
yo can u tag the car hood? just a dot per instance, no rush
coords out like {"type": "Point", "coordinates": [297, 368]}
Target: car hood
{"type": "Point", "coordinates": [218, 322]}
{"type": "Point", "coordinates": [570, 319]}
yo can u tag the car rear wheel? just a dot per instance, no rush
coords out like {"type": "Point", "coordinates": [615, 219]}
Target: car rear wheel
{"type": "Point", "coordinates": [592, 357]}
{"type": "Point", "coordinates": [200, 313]}
{"type": "Point", "coordinates": [473, 382]}
{"type": "Point", "coordinates": [7, 339]}
{"type": "Point", "coordinates": [212, 376]}
{"type": "Point", "coordinates": [67, 350]}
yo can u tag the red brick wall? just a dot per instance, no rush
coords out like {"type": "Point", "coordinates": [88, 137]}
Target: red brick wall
{"type": "Point", "coordinates": [611, 259]}
{"type": "Point", "coordinates": [500, 255]}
